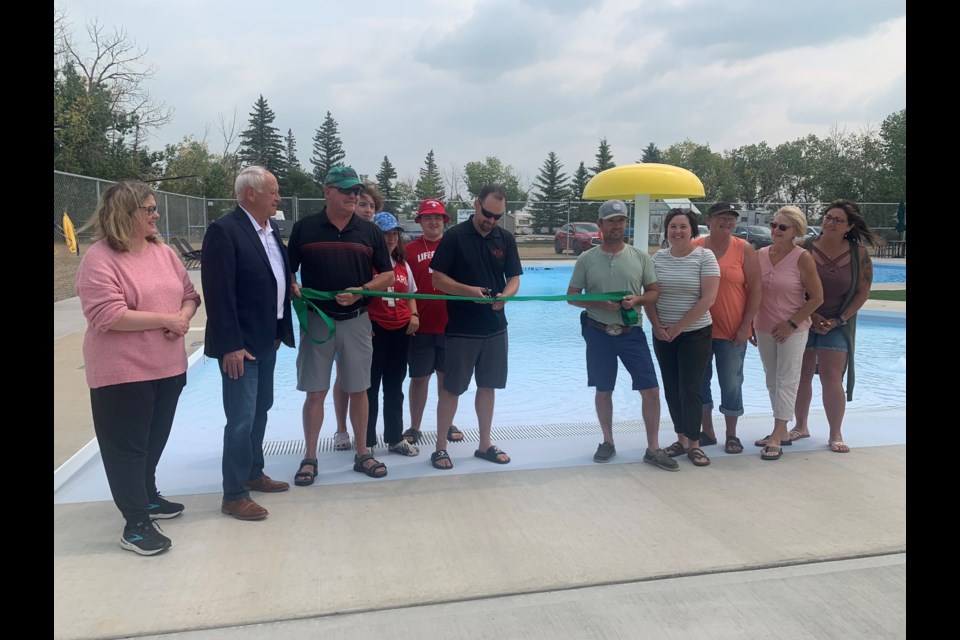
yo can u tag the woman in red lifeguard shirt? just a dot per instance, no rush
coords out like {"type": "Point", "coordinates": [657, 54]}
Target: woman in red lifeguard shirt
{"type": "Point", "coordinates": [394, 321]}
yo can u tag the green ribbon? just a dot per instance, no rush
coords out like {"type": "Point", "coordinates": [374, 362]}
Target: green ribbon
{"type": "Point", "coordinates": [307, 296]}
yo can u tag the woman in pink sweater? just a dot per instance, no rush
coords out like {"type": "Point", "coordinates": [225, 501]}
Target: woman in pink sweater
{"type": "Point", "coordinates": [138, 301]}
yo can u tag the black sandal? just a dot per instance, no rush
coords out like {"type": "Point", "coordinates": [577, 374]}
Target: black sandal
{"type": "Point", "coordinates": [412, 436]}
{"type": "Point", "coordinates": [733, 445]}
{"type": "Point", "coordinates": [437, 456]}
{"type": "Point", "coordinates": [306, 478]}
{"type": "Point", "coordinates": [453, 431]}
{"type": "Point", "coordinates": [372, 469]}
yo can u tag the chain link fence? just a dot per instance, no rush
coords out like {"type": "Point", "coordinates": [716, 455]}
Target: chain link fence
{"type": "Point", "coordinates": [188, 216]}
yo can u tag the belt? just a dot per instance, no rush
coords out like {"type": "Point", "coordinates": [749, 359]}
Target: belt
{"type": "Point", "coordinates": [347, 315]}
{"type": "Point", "coordinates": [611, 329]}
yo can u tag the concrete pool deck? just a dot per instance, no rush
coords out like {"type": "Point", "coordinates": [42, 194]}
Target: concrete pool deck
{"type": "Point", "coordinates": [812, 546]}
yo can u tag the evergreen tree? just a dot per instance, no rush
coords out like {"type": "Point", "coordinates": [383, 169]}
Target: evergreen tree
{"type": "Point", "coordinates": [261, 144]}
{"type": "Point", "coordinates": [550, 192]}
{"type": "Point", "coordinates": [604, 158]}
{"type": "Point", "coordinates": [652, 153]}
{"type": "Point", "coordinates": [327, 149]}
{"type": "Point", "coordinates": [386, 174]}
{"type": "Point", "coordinates": [430, 184]}
{"type": "Point", "coordinates": [580, 210]}
{"type": "Point", "coordinates": [292, 160]}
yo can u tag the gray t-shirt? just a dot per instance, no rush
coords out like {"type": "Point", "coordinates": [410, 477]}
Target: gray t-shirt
{"type": "Point", "coordinates": [631, 269]}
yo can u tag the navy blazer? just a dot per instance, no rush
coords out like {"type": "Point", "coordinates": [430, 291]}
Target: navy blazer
{"type": "Point", "coordinates": [240, 290]}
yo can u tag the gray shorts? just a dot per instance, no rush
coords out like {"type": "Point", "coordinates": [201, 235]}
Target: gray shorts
{"type": "Point", "coordinates": [484, 355]}
{"type": "Point", "coordinates": [426, 354]}
{"type": "Point", "coordinates": [352, 346]}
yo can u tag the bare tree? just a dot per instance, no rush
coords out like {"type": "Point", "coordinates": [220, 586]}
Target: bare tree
{"type": "Point", "coordinates": [453, 179]}
{"type": "Point", "coordinates": [229, 130]}
{"type": "Point", "coordinates": [117, 66]}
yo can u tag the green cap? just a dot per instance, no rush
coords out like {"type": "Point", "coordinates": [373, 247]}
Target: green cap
{"type": "Point", "coordinates": [342, 177]}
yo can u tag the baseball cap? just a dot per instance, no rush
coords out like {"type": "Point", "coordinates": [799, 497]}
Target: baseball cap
{"type": "Point", "coordinates": [721, 207]}
{"type": "Point", "coordinates": [612, 209]}
{"type": "Point", "coordinates": [386, 221]}
{"type": "Point", "coordinates": [431, 206]}
{"type": "Point", "coordinates": [341, 177]}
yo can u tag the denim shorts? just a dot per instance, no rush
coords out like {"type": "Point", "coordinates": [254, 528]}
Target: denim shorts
{"type": "Point", "coordinates": [833, 340]}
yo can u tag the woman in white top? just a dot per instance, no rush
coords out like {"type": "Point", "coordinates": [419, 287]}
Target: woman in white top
{"type": "Point", "coordinates": [688, 278]}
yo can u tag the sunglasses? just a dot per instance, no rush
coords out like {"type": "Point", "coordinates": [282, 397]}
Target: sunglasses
{"type": "Point", "coordinates": [783, 227]}
{"type": "Point", "coordinates": [487, 214]}
{"type": "Point", "coordinates": [355, 190]}
{"type": "Point", "coordinates": [151, 209]}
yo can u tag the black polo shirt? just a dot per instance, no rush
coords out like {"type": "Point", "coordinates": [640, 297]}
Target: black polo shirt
{"type": "Point", "coordinates": [330, 259]}
{"type": "Point", "coordinates": [478, 261]}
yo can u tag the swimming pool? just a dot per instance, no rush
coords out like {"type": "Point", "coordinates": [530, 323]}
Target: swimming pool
{"type": "Point", "coordinates": [547, 377]}
{"type": "Point", "coordinates": [883, 272]}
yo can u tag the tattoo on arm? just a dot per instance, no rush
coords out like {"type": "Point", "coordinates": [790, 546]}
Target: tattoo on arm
{"type": "Point", "coordinates": [867, 267]}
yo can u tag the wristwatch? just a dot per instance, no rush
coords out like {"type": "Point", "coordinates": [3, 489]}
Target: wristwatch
{"type": "Point", "coordinates": [840, 321]}
{"type": "Point", "coordinates": [415, 314]}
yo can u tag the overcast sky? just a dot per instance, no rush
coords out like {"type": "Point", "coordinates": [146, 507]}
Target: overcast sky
{"type": "Point", "coordinates": [517, 79]}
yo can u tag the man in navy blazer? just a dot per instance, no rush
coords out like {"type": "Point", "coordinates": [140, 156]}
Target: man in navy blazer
{"type": "Point", "coordinates": [245, 284]}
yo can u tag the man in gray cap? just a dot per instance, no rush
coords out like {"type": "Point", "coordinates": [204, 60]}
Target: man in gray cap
{"type": "Point", "coordinates": [612, 329]}
{"type": "Point", "coordinates": [336, 250]}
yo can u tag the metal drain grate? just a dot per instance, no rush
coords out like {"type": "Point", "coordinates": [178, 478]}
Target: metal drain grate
{"type": "Point", "coordinates": [532, 432]}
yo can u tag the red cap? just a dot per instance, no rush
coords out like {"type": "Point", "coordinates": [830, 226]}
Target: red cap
{"type": "Point", "coordinates": [431, 206]}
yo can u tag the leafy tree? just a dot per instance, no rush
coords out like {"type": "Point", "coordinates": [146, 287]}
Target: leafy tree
{"type": "Point", "coordinates": [652, 153]}
{"type": "Point", "coordinates": [191, 157]}
{"type": "Point", "coordinates": [327, 149]}
{"type": "Point", "coordinates": [385, 176]}
{"type": "Point", "coordinates": [756, 173]}
{"type": "Point", "coordinates": [430, 184]}
{"type": "Point", "coordinates": [604, 158]}
{"type": "Point", "coordinates": [301, 184]}
{"type": "Point", "coordinates": [796, 161]}
{"type": "Point", "coordinates": [404, 202]}
{"type": "Point", "coordinates": [550, 192]}
{"type": "Point", "coordinates": [709, 166]}
{"type": "Point", "coordinates": [261, 143]}
{"type": "Point", "coordinates": [893, 149]}
{"type": "Point", "coordinates": [493, 171]}
{"type": "Point", "coordinates": [291, 156]}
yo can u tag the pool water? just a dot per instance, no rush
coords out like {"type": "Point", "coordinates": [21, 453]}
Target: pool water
{"type": "Point", "coordinates": [547, 381]}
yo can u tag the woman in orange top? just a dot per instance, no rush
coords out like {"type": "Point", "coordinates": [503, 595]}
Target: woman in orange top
{"type": "Point", "coordinates": [737, 301]}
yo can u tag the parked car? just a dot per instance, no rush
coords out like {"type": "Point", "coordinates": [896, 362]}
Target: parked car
{"type": "Point", "coordinates": [576, 236]}
{"type": "Point", "coordinates": [411, 230]}
{"type": "Point", "coordinates": [757, 236]}
{"type": "Point", "coordinates": [704, 232]}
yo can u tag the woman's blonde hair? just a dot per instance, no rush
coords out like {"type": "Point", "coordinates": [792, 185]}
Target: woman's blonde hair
{"type": "Point", "coordinates": [114, 217]}
{"type": "Point", "coordinates": [796, 217]}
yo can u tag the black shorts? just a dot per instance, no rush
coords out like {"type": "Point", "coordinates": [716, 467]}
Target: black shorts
{"type": "Point", "coordinates": [426, 354]}
{"type": "Point", "coordinates": [484, 355]}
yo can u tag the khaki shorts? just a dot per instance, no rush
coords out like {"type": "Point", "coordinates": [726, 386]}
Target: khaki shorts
{"type": "Point", "coordinates": [352, 346]}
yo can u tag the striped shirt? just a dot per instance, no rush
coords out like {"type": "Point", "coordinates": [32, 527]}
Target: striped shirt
{"type": "Point", "coordinates": [679, 282]}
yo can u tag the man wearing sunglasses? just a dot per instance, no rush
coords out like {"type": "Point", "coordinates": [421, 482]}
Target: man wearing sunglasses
{"type": "Point", "coordinates": [336, 250]}
{"type": "Point", "coordinates": [475, 259]}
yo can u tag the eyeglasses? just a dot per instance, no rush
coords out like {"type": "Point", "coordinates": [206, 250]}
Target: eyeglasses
{"type": "Point", "coordinates": [827, 219]}
{"type": "Point", "coordinates": [151, 209]}
{"type": "Point", "coordinates": [783, 227]}
{"type": "Point", "coordinates": [355, 190]}
{"type": "Point", "coordinates": [487, 214]}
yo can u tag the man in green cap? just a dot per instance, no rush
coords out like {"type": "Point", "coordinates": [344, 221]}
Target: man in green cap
{"type": "Point", "coordinates": [336, 250]}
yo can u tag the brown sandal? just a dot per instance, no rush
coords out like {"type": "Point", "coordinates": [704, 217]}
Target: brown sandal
{"type": "Point", "coordinates": [733, 445]}
{"type": "Point", "coordinates": [698, 457]}
{"type": "Point", "coordinates": [674, 450]}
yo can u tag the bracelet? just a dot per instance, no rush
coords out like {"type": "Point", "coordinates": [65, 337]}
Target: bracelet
{"type": "Point", "coordinates": [791, 323]}
{"type": "Point", "coordinates": [365, 288]}
{"type": "Point", "coordinates": [415, 314]}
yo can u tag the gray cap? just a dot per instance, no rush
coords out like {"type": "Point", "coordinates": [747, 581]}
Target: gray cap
{"type": "Point", "coordinates": [612, 209]}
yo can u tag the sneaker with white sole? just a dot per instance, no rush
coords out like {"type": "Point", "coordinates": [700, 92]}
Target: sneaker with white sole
{"type": "Point", "coordinates": [160, 508]}
{"type": "Point", "coordinates": [144, 538]}
{"type": "Point", "coordinates": [404, 448]}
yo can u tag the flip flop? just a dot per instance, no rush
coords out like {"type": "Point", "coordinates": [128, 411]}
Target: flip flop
{"type": "Point", "coordinates": [771, 453]}
{"type": "Point", "coordinates": [839, 446]}
{"type": "Point", "coordinates": [764, 441]}
{"type": "Point", "coordinates": [491, 455]}
{"type": "Point", "coordinates": [454, 434]}
{"type": "Point", "coordinates": [796, 435]}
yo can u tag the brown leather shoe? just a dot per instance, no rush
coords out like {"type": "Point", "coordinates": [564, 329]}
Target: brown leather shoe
{"type": "Point", "coordinates": [266, 485]}
{"type": "Point", "coordinates": [243, 509]}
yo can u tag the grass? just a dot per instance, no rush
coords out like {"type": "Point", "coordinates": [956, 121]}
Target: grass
{"type": "Point", "coordinates": [897, 295]}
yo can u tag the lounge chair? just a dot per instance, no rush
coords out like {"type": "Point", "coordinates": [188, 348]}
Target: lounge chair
{"type": "Point", "coordinates": [189, 255]}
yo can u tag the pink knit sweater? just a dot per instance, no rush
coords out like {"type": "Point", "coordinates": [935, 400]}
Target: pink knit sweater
{"type": "Point", "coordinates": [111, 282]}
